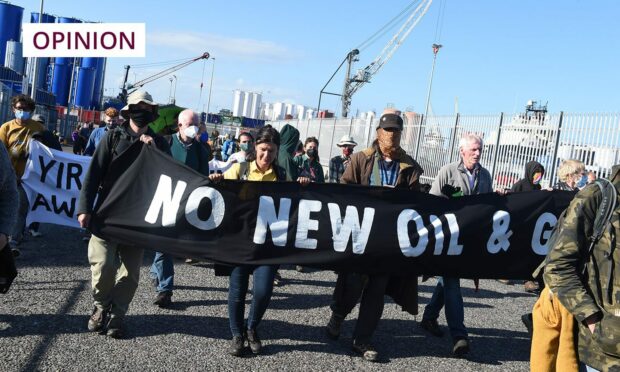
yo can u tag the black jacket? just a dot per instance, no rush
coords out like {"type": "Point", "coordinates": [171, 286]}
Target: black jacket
{"type": "Point", "coordinates": [113, 143]}
{"type": "Point", "coordinates": [526, 183]}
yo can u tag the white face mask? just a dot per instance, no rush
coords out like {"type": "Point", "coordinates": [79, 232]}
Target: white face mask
{"type": "Point", "coordinates": [191, 131]}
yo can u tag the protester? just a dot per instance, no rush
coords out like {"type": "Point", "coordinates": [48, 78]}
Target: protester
{"type": "Point", "coordinates": [591, 177]}
{"type": "Point", "coordinates": [16, 135]}
{"type": "Point", "coordinates": [229, 147]}
{"type": "Point", "coordinates": [78, 144]}
{"type": "Point", "coordinates": [261, 166]}
{"type": "Point", "coordinates": [572, 175]}
{"type": "Point", "coordinates": [245, 148]}
{"type": "Point", "coordinates": [299, 150]}
{"type": "Point", "coordinates": [114, 285]}
{"type": "Point", "coordinates": [289, 136]}
{"type": "Point", "coordinates": [384, 164]}
{"type": "Point", "coordinates": [534, 172]}
{"type": "Point", "coordinates": [309, 163]}
{"type": "Point", "coordinates": [110, 121]}
{"type": "Point", "coordinates": [8, 198]}
{"type": "Point", "coordinates": [463, 177]}
{"type": "Point", "coordinates": [583, 274]}
{"type": "Point", "coordinates": [186, 149]}
{"type": "Point", "coordinates": [339, 163]}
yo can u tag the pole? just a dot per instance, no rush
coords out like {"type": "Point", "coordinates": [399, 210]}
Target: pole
{"type": "Point", "coordinates": [35, 60]}
{"type": "Point", "coordinates": [210, 87]}
{"type": "Point", "coordinates": [347, 80]}
{"type": "Point", "coordinates": [428, 98]}
{"type": "Point", "coordinates": [105, 64]}
{"type": "Point", "coordinates": [71, 85]}
{"type": "Point", "coordinates": [556, 148]}
{"type": "Point", "coordinates": [170, 93]}
{"type": "Point", "coordinates": [496, 148]}
{"type": "Point", "coordinates": [456, 131]}
{"type": "Point", "coordinates": [174, 92]}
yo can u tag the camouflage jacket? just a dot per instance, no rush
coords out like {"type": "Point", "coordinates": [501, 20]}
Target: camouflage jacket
{"type": "Point", "coordinates": [598, 291]}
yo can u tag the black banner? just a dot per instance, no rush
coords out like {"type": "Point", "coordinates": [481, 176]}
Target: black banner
{"type": "Point", "coordinates": [157, 203]}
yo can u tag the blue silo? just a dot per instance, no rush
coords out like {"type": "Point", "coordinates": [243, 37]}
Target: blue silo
{"type": "Point", "coordinates": [86, 82]}
{"type": "Point", "coordinates": [10, 26]}
{"type": "Point", "coordinates": [42, 63]}
{"type": "Point", "coordinates": [98, 89]}
{"type": "Point", "coordinates": [61, 73]}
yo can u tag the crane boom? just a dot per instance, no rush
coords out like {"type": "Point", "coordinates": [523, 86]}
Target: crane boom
{"type": "Point", "coordinates": [141, 83]}
{"type": "Point", "coordinates": [364, 75]}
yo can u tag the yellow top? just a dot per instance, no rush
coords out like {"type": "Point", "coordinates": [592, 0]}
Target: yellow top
{"type": "Point", "coordinates": [254, 174]}
{"type": "Point", "coordinates": [15, 137]}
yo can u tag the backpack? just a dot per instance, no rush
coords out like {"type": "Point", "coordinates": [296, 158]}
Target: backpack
{"type": "Point", "coordinates": [603, 218]}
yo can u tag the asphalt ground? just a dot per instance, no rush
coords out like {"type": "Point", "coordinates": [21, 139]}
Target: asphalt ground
{"type": "Point", "coordinates": [43, 322]}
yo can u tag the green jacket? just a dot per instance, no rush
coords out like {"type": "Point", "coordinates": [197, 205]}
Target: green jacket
{"type": "Point", "coordinates": [306, 167]}
{"type": "Point", "coordinates": [289, 138]}
{"type": "Point", "coordinates": [598, 293]}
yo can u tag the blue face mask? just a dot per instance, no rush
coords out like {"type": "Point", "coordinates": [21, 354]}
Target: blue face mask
{"type": "Point", "coordinates": [583, 181]}
{"type": "Point", "coordinates": [204, 137]}
{"type": "Point", "coordinates": [22, 115]}
{"type": "Point", "coordinates": [245, 147]}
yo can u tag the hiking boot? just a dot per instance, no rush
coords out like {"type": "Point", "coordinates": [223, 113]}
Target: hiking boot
{"type": "Point", "coordinates": [366, 351]}
{"type": "Point", "coordinates": [461, 347]}
{"type": "Point", "coordinates": [115, 328]}
{"type": "Point", "coordinates": [236, 346]}
{"type": "Point", "coordinates": [163, 299]}
{"type": "Point", "coordinates": [431, 326]}
{"type": "Point", "coordinates": [333, 326]}
{"type": "Point", "coordinates": [97, 320]}
{"type": "Point", "coordinates": [254, 341]}
{"type": "Point", "coordinates": [528, 323]}
{"type": "Point", "coordinates": [531, 287]}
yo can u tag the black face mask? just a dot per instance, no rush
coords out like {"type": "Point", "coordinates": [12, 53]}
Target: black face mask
{"type": "Point", "coordinates": [141, 117]}
{"type": "Point", "coordinates": [311, 153]}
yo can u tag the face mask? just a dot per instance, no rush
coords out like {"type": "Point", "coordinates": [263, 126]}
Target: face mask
{"type": "Point", "coordinates": [245, 147]}
{"type": "Point", "coordinates": [537, 178]}
{"type": "Point", "coordinates": [141, 118]}
{"type": "Point", "coordinates": [347, 151]}
{"type": "Point", "coordinates": [311, 153]}
{"type": "Point", "coordinates": [204, 137]}
{"type": "Point", "coordinates": [191, 131]}
{"type": "Point", "coordinates": [388, 142]}
{"type": "Point", "coordinates": [583, 181]}
{"type": "Point", "coordinates": [22, 115]}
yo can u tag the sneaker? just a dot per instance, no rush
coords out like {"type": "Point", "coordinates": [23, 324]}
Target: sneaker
{"type": "Point", "coordinates": [333, 326]}
{"type": "Point", "coordinates": [431, 326]}
{"type": "Point", "coordinates": [163, 299]}
{"type": "Point", "coordinates": [366, 351]}
{"type": "Point", "coordinates": [86, 238]}
{"type": "Point", "coordinates": [97, 320]}
{"type": "Point", "coordinates": [277, 279]}
{"type": "Point", "coordinates": [254, 341]}
{"type": "Point", "coordinates": [461, 347]}
{"type": "Point", "coordinates": [191, 261]}
{"type": "Point", "coordinates": [154, 282]}
{"type": "Point", "coordinates": [115, 328]}
{"type": "Point", "coordinates": [236, 346]}
{"type": "Point", "coordinates": [15, 251]}
{"type": "Point", "coordinates": [13, 242]}
{"type": "Point", "coordinates": [34, 233]}
{"type": "Point", "coordinates": [528, 323]}
{"type": "Point", "coordinates": [504, 281]}
{"type": "Point", "coordinates": [299, 268]}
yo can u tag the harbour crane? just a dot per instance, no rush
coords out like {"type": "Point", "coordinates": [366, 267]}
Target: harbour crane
{"type": "Point", "coordinates": [138, 84]}
{"type": "Point", "coordinates": [353, 83]}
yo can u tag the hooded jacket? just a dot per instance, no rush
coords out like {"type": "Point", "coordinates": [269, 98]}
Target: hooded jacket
{"type": "Point", "coordinates": [289, 137]}
{"type": "Point", "coordinates": [527, 184]}
{"type": "Point", "coordinates": [597, 293]}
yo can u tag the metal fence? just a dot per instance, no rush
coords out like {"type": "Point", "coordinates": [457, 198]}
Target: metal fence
{"type": "Point", "coordinates": [510, 141]}
{"type": "Point", "coordinates": [6, 111]}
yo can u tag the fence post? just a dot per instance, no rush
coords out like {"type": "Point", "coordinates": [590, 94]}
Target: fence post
{"type": "Point", "coordinates": [556, 148]}
{"type": "Point", "coordinates": [456, 127]}
{"type": "Point", "coordinates": [368, 141]}
{"type": "Point", "coordinates": [418, 139]}
{"type": "Point", "coordinates": [496, 148]}
{"type": "Point", "coordinates": [331, 146]}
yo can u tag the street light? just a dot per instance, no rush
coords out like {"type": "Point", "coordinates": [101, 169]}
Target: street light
{"type": "Point", "coordinates": [436, 48]}
{"type": "Point", "coordinates": [174, 91]}
{"type": "Point", "coordinates": [210, 87]}
{"type": "Point", "coordinates": [170, 94]}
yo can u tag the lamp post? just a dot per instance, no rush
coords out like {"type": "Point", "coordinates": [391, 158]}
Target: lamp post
{"type": "Point", "coordinates": [170, 94]}
{"type": "Point", "coordinates": [436, 48]}
{"type": "Point", "coordinates": [210, 87]}
{"type": "Point", "coordinates": [174, 91]}
{"type": "Point", "coordinates": [33, 93]}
